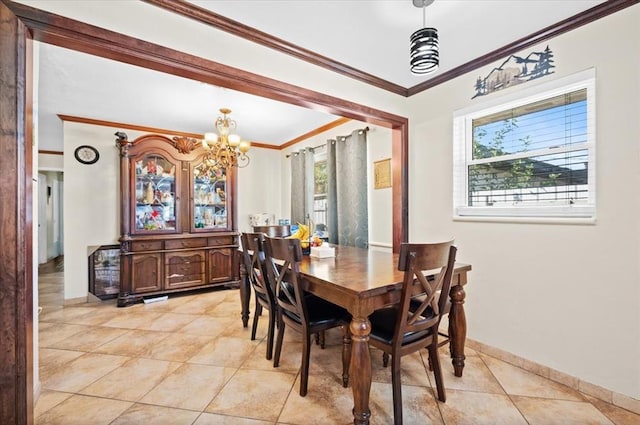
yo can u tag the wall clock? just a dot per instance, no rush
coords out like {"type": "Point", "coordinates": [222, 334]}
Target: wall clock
{"type": "Point", "coordinates": [86, 154]}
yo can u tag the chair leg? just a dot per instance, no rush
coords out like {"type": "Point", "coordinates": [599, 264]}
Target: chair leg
{"type": "Point", "coordinates": [304, 370]}
{"type": "Point", "coordinates": [322, 340]}
{"type": "Point", "coordinates": [276, 355]}
{"type": "Point", "coordinates": [346, 354]}
{"type": "Point", "coordinates": [437, 371]}
{"type": "Point", "coordinates": [270, 333]}
{"type": "Point", "coordinates": [396, 383]}
{"type": "Point", "coordinates": [385, 359]}
{"type": "Point", "coordinates": [256, 315]}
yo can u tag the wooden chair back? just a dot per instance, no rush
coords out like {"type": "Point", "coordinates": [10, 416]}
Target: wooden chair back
{"type": "Point", "coordinates": [281, 260]}
{"type": "Point", "coordinates": [274, 231]}
{"type": "Point", "coordinates": [253, 257]}
{"type": "Point", "coordinates": [418, 314]}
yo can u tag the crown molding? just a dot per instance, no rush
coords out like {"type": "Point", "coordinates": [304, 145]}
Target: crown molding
{"type": "Point", "coordinates": [156, 130]}
{"type": "Point", "coordinates": [239, 29]}
{"type": "Point", "coordinates": [249, 33]}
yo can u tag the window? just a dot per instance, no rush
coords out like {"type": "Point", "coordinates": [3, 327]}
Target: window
{"type": "Point", "coordinates": [530, 157]}
{"type": "Point", "coordinates": [320, 187]}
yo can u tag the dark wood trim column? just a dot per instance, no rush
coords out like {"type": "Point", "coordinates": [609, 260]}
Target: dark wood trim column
{"type": "Point", "coordinates": [16, 261]}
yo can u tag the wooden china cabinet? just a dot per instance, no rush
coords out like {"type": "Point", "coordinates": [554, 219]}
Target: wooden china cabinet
{"type": "Point", "coordinates": [178, 226]}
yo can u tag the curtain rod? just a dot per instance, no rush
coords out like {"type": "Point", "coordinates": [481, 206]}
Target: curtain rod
{"type": "Point", "coordinates": [323, 145]}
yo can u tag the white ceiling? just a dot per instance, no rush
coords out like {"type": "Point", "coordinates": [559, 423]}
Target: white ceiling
{"type": "Point", "coordinates": [371, 36]}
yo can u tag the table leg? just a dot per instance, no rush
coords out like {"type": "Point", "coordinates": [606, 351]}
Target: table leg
{"type": "Point", "coordinates": [245, 295]}
{"type": "Point", "coordinates": [457, 328]}
{"type": "Point", "coordinates": [360, 369]}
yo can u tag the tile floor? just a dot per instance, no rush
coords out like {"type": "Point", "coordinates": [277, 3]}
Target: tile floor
{"type": "Point", "coordinates": [189, 361]}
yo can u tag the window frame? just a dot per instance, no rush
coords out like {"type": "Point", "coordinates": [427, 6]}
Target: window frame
{"type": "Point", "coordinates": [463, 154]}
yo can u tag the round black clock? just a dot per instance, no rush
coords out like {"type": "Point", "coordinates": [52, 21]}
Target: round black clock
{"type": "Point", "coordinates": [86, 154]}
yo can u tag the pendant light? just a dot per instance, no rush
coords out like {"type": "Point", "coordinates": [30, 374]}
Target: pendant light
{"type": "Point", "coordinates": [424, 57]}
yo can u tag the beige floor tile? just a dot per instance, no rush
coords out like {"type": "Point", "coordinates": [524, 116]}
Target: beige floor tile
{"type": "Point", "coordinates": [197, 305]}
{"type": "Point", "coordinates": [169, 322]}
{"type": "Point", "coordinates": [418, 405]}
{"type": "Point", "coordinates": [189, 387]}
{"type": "Point", "coordinates": [84, 410]}
{"type": "Point", "coordinates": [133, 343]}
{"type": "Point", "coordinates": [236, 330]}
{"type": "Point", "coordinates": [476, 377]}
{"type": "Point", "coordinates": [253, 394]}
{"type": "Point", "coordinates": [212, 419]}
{"type": "Point", "coordinates": [81, 372]}
{"type": "Point", "coordinates": [326, 403]}
{"type": "Point", "coordinates": [209, 326]}
{"type": "Point", "coordinates": [290, 358]}
{"type": "Point", "coordinates": [516, 381]}
{"type": "Point", "coordinates": [50, 333]}
{"type": "Point", "coordinates": [538, 411]}
{"type": "Point", "coordinates": [225, 352]}
{"type": "Point", "coordinates": [226, 309]}
{"type": "Point", "coordinates": [97, 316]}
{"type": "Point", "coordinates": [413, 370]}
{"type": "Point", "coordinates": [90, 339]}
{"type": "Point", "coordinates": [140, 414]}
{"type": "Point", "coordinates": [63, 315]}
{"type": "Point", "coordinates": [52, 359]}
{"type": "Point", "coordinates": [47, 400]}
{"type": "Point", "coordinates": [327, 362]}
{"type": "Point", "coordinates": [178, 347]}
{"type": "Point", "coordinates": [616, 414]}
{"type": "Point", "coordinates": [133, 320]}
{"type": "Point", "coordinates": [472, 408]}
{"type": "Point", "coordinates": [132, 380]}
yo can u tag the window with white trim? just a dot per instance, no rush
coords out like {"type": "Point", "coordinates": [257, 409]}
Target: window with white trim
{"type": "Point", "coordinates": [530, 156]}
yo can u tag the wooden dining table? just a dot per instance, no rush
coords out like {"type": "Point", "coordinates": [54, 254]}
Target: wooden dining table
{"type": "Point", "coordinates": [362, 281]}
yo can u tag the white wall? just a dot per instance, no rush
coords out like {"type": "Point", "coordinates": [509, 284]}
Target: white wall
{"type": "Point", "coordinates": [259, 186]}
{"type": "Point", "coordinates": [565, 296]}
{"type": "Point", "coordinates": [50, 162]}
{"type": "Point", "coordinates": [92, 201]}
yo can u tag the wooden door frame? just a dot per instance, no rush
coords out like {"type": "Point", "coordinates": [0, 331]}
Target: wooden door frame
{"type": "Point", "coordinates": [19, 25]}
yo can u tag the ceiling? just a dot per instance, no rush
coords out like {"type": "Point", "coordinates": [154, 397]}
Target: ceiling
{"type": "Point", "coordinates": [370, 36]}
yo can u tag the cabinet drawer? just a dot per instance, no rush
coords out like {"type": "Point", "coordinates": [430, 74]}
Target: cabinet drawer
{"type": "Point", "coordinates": [185, 269]}
{"type": "Point", "coordinates": [223, 240]}
{"type": "Point", "coordinates": [146, 246]}
{"type": "Point", "coordinates": [185, 243]}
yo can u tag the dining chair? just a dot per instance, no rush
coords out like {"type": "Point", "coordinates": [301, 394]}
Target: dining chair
{"type": "Point", "coordinates": [302, 311]}
{"type": "Point", "coordinates": [412, 324]}
{"type": "Point", "coordinates": [253, 257]}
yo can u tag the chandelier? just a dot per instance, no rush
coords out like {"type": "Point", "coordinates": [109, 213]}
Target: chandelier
{"type": "Point", "coordinates": [424, 54]}
{"type": "Point", "coordinates": [223, 149]}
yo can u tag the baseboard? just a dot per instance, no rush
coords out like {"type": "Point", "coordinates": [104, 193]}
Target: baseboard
{"type": "Point", "coordinates": [611, 397]}
{"type": "Point", "coordinates": [74, 301]}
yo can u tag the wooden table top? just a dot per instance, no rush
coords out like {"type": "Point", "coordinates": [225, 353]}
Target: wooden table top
{"type": "Point", "coordinates": [357, 273]}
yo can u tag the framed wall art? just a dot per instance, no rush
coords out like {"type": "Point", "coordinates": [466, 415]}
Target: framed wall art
{"type": "Point", "coordinates": [382, 173]}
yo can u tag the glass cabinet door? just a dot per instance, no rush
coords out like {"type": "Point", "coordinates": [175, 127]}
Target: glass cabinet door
{"type": "Point", "coordinates": [155, 194]}
{"type": "Point", "coordinates": [209, 195]}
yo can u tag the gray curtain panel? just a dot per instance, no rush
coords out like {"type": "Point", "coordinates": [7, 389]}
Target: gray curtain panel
{"type": "Point", "coordinates": [301, 185]}
{"type": "Point", "coordinates": [347, 219]}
